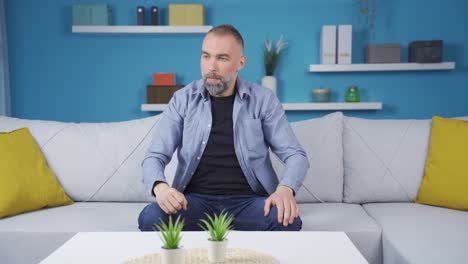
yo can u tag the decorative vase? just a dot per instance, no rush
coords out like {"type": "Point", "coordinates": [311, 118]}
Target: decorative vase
{"type": "Point", "coordinates": [269, 82]}
{"type": "Point", "coordinates": [321, 95]}
{"type": "Point", "coordinates": [352, 95]}
{"type": "Point", "coordinates": [172, 256]}
{"type": "Point", "coordinates": [217, 250]}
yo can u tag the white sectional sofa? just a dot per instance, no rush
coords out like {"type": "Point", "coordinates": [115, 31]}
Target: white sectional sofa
{"type": "Point", "coordinates": [364, 177]}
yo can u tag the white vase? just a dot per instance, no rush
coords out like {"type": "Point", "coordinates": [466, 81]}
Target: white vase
{"type": "Point", "coordinates": [172, 256]}
{"type": "Point", "coordinates": [269, 82]}
{"type": "Point", "coordinates": [217, 250]}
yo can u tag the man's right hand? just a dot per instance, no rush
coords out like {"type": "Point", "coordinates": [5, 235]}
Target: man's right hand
{"type": "Point", "coordinates": [169, 199]}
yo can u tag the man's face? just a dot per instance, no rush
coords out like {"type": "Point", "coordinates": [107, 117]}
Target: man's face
{"type": "Point", "coordinates": [220, 62]}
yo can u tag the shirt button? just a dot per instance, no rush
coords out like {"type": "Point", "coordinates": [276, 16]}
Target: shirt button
{"type": "Point", "coordinates": [198, 158]}
{"type": "Point", "coordinates": [209, 125]}
{"type": "Point", "coordinates": [203, 142]}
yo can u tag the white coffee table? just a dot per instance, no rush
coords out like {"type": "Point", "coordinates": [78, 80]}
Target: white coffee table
{"type": "Point", "coordinates": [287, 247]}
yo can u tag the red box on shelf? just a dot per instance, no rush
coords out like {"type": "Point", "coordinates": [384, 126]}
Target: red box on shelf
{"type": "Point", "coordinates": [164, 79]}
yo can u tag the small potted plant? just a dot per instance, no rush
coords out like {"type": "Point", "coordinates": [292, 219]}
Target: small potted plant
{"type": "Point", "coordinates": [170, 235]}
{"type": "Point", "coordinates": [271, 56]}
{"type": "Point", "coordinates": [218, 227]}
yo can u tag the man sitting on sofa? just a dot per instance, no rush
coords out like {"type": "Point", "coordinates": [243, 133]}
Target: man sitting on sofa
{"type": "Point", "coordinates": [222, 127]}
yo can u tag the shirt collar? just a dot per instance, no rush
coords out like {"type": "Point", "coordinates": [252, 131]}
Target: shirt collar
{"type": "Point", "coordinates": [242, 89]}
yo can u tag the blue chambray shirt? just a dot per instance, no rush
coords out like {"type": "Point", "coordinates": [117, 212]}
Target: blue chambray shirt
{"type": "Point", "coordinates": [259, 122]}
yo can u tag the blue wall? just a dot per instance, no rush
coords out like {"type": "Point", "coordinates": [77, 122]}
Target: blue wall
{"type": "Point", "coordinates": [57, 75]}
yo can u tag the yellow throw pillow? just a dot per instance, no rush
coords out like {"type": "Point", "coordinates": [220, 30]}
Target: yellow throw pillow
{"type": "Point", "coordinates": [26, 181]}
{"type": "Point", "coordinates": [445, 181]}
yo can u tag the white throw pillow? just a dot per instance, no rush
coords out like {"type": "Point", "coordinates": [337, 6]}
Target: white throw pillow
{"type": "Point", "coordinates": [322, 140]}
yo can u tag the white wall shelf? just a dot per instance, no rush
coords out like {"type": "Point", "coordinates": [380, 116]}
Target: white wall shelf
{"type": "Point", "coordinates": [299, 106]}
{"type": "Point", "coordinates": [332, 106]}
{"type": "Point", "coordinates": [140, 29]}
{"type": "Point", "coordinates": [381, 67]}
{"type": "Point", "coordinates": [153, 107]}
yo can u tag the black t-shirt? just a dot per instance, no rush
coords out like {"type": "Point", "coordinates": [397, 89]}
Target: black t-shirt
{"type": "Point", "coordinates": [219, 171]}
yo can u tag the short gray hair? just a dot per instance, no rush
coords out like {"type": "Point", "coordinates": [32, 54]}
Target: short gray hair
{"type": "Point", "coordinates": [228, 29]}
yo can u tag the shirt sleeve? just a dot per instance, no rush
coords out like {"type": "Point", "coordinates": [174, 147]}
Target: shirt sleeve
{"type": "Point", "coordinates": [283, 142]}
{"type": "Point", "coordinates": [166, 139]}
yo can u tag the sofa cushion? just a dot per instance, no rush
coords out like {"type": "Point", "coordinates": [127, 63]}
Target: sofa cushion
{"type": "Point", "coordinates": [26, 181]}
{"type": "Point", "coordinates": [78, 217]}
{"type": "Point", "coordinates": [322, 140]}
{"type": "Point", "coordinates": [363, 231]}
{"type": "Point", "coordinates": [383, 159]}
{"type": "Point", "coordinates": [93, 161]}
{"type": "Point", "coordinates": [445, 181]}
{"type": "Point", "coordinates": [102, 161]}
{"type": "Point", "coordinates": [415, 233]}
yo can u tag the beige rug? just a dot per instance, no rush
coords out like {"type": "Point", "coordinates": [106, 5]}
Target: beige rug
{"type": "Point", "coordinates": [200, 255]}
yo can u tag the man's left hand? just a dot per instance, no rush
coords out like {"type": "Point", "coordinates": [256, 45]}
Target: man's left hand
{"type": "Point", "coordinates": [283, 199]}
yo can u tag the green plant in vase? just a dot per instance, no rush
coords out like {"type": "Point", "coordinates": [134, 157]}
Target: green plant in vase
{"type": "Point", "coordinates": [271, 57]}
{"type": "Point", "coordinates": [171, 236]}
{"type": "Point", "coordinates": [218, 227]}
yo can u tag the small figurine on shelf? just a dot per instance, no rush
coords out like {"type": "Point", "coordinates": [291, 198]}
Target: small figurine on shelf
{"type": "Point", "coordinates": [352, 95]}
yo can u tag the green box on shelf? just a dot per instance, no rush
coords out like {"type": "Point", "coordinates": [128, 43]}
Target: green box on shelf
{"type": "Point", "coordinates": [92, 15]}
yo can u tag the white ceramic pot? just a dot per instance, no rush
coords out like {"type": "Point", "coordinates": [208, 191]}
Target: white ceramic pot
{"type": "Point", "coordinates": [172, 256]}
{"type": "Point", "coordinates": [217, 250]}
{"type": "Point", "coordinates": [269, 82]}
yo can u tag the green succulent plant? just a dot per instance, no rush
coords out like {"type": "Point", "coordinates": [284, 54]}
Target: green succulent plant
{"type": "Point", "coordinates": [218, 226]}
{"type": "Point", "coordinates": [170, 232]}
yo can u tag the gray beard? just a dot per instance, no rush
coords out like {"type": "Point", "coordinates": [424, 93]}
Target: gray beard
{"type": "Point", "coordinates": [216, 89]}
